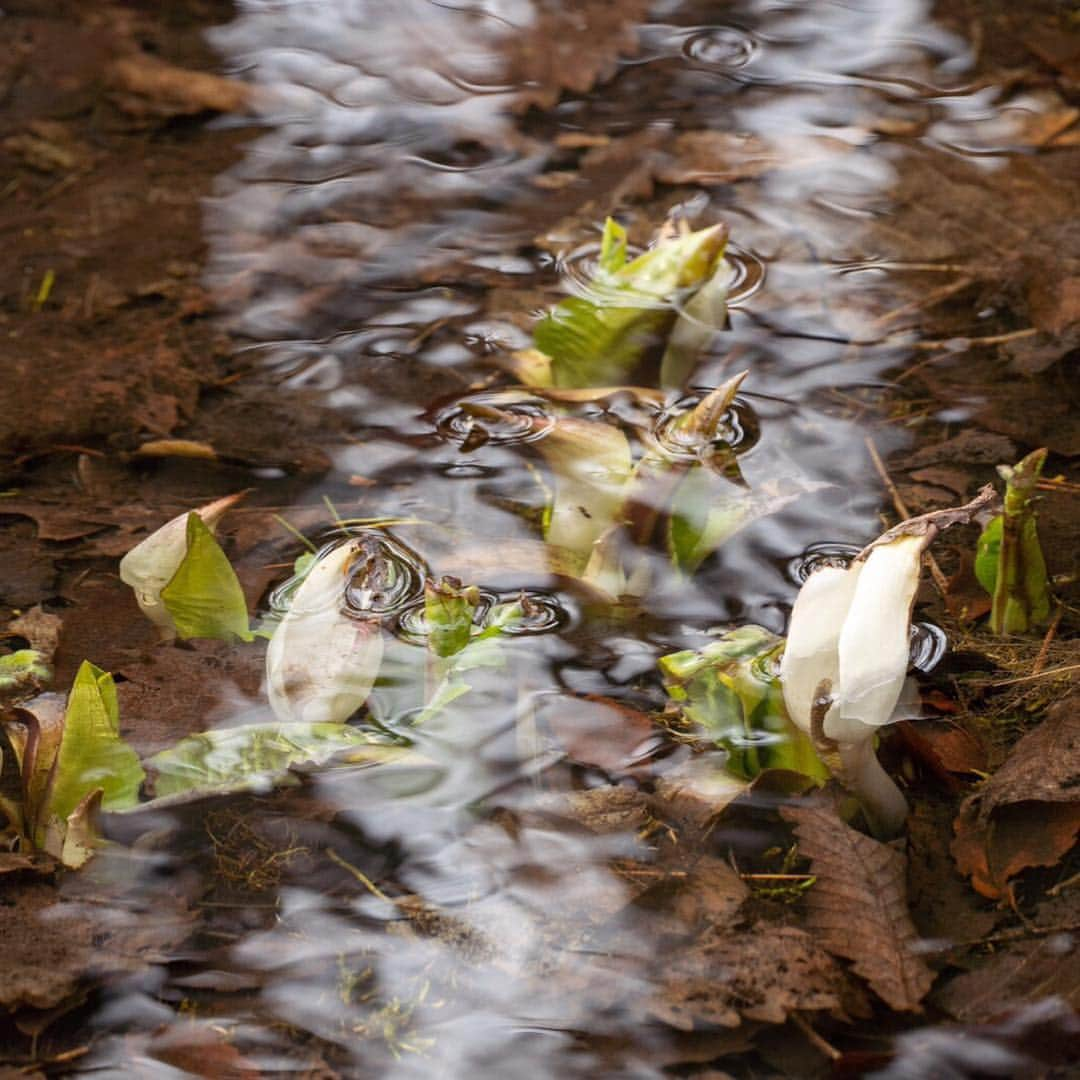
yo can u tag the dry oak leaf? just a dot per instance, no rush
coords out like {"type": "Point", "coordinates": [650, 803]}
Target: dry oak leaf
{"type": "Point", "coordinates": [1028, 813]}
{"type": "Point", "coordinates": [858, 905]}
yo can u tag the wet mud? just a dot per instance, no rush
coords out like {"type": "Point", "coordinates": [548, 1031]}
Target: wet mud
{"type": "Point", "coordinates": [272, 248]}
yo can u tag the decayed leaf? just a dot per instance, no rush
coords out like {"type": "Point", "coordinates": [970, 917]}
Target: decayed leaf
{"type": "Point", "coordinates": [256, 755]}
{"type": "Point", "coordinates": [1028, 813]}
{"type": "Point", "coordinates": [764, 973]}
{"type": "Point", "coordinates": [858, 908]}
{"type": "Point", "coordinates": [40, 628]}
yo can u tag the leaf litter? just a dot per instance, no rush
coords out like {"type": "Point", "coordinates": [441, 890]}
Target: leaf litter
{"type": "Point", "coordinates": [715, 925]}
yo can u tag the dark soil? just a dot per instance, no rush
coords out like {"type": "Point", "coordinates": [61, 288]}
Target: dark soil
{"type": "Point", "coordinates": [109, 340]}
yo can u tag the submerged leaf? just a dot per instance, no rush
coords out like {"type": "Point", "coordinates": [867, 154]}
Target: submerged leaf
{"type": "Point", "coordinates": [322, 662]}
{"type": "Point", "coordinates": [204, 598]}
{"type": "Point", "coordinates": [592, 463]}
{"type": "Point", "coordinates": [257, 755]}
{"type": "Point", "coordinates": [449, 610]}
{"type": "Point", "coordinates": [599, 339]}
{"type": "Point", "coordinates": [731, 690]}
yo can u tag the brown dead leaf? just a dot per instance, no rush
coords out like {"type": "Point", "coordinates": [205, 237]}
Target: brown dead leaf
{"type": "Point", "coordinates": [202, 1050]}
{"type": "Point", "coordinates": [598, 731]}
{"type": "Point", "coordinates": [764, 974]}
{"type": "Point", "coordinates": [1028, 813]}
{"type": "Point", "coordinates": [147, 85]}
{"type": "Point", "coordinates": [40, 628]}
{"type": "Point", "coordinates": [944, 748]}
{"type": "Point", "coordinates": [858, 905]}
{"type": "Point", "coordinates": [1028, 971]}
{"type": "Point", "coordinates": [694, 794]}
{"type": "Point", "coordinates": [723, 157]}
{"type": "Point", "coordinates": [601, 810]}
{"type": "Point", "coordinates": [687, 896]}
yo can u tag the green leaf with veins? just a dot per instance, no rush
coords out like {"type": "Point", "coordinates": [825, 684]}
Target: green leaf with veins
{"type": "Point", "coordinates": [204, 596]}
{"type": "Point", "coordinates": [91, 756]}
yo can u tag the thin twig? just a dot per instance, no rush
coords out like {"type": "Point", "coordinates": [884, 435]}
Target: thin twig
{"type": "Point", "coordinates": [814, 1038]}
{"type": "Point", "coordinates": [1044, 649]}
{"type": "Point", "coordinates": [360, 876]}
{"type": "Point", "coordinates": [1048, 674]}
{"type": "Point", "coordinates": [935, 296]}
{"type": "Point", "coordinates": [940, 580]}
{"type": "Point", "coordinates": [967, 342]}
{"type": "Point", "coordinates": [954, 346]}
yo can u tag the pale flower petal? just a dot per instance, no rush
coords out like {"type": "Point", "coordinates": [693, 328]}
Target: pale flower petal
{"type": "Point", "coordinates": [875, 642]}
{"type": "Point", "coordinates": [813, 637]}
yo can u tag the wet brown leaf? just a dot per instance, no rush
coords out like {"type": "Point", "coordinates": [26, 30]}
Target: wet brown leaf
{"type": "Point", "coordinates": [1028, 971]}
{"type": "Point", "coordinates": [201, 1050]}
{"type": "Point", "coordinates": [1028, 813]}
{"type": "Point", "coordinates": [858, 905]}
{"type": "Point", "coordinates": [601, 810]}
{"type": "Point", "coordinates": [598, 731]}
{"type": "Point", "coordinates": [40, 628]}
{"type": "Point", "coordinates": [944, 748]}
{"type": "Point", "coordinates": [764, 974]}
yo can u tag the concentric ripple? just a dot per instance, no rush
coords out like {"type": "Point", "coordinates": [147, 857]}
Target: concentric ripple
{"type": "Point", "coordinates": [735, 430]}
{"type": "Point", "coordinates": [726, 47]}
{"type": "Point", "coordinates": [497, 417]}
{"type": "Point", "coordinates": [384, 576]}
{"type": "Point", "coordinates": [818, 556]}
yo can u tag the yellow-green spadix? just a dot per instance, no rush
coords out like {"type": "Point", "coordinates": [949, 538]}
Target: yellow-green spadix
{"type": "Point", "coordinates": [322, 662]}
{"type": "Point", "coordinates": [850, 628]}
{"type": "Point", "coordinates": [150, 565]}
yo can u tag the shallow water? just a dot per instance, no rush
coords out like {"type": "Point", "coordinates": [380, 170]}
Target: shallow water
{"type": "Point", "coordinates": [381, 246]}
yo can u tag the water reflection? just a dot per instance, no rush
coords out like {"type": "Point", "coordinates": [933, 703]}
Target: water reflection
{"type": "Point", "coordinates": [426, 177]}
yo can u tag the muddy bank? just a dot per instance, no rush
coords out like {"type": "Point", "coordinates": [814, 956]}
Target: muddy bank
{"type": "Point", "coordinates": [906, 284]}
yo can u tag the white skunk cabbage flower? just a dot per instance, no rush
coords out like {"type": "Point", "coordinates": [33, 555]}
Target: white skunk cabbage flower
{"type": "Point", "coordinates": [851, 629]}
{"type": "Point", "coordinates": [321, 663]}
{"type": "Point", "coordinates": [150, 565]}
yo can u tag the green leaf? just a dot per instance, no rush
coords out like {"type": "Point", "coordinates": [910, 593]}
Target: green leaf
{"type": "Point", "coordinates": [601, 338]}
{"type": "Point", "coordinates": [449, 609]}
{"type": "Point", "coordinates": [204, 596]}
{"type": "Point", "coordinates": [987, 553]}
{"type": "Point", "coordinates": [1009, 561]}
{"type": "Point", "coordinates": [731, 690]}
{"type": "Point", "coordinates": [92, 755]}
{"type": "Point", "coordinates": [708, 510]}
{"type": "Point", "coordinates": [258, 755]}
